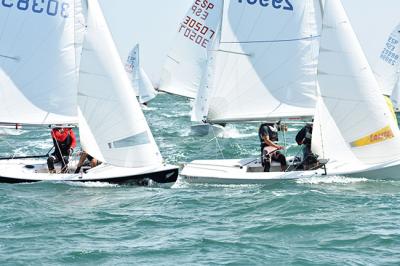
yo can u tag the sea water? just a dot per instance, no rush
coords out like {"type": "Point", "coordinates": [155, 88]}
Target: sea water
{"type": "Point", "coordinates": [317, 221]}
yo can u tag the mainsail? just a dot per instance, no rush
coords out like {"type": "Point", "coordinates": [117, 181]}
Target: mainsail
{"type": "Point", "coordinates": [187, 59]}
{"type": "Point", "coordinates": [353, 123]}
{"type": "Point", "coordinates": [117, 132]}
{"type": "Point", "coordinates": [387, 69]}
{"type": "Point", "coordinates": [139, 79]}
{"type": "Point", "coordinates": [39, 58]}
{"type": "Point", "coordinates": [259, 44]}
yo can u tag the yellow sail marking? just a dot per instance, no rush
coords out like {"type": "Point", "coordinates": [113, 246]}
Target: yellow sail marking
{"type": "Point", "coordinates": [391, 108]}
{"type": "Point", "coordinates": [381, 135]}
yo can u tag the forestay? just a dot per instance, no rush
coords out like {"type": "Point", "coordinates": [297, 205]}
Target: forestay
{"type": "Point", "coordinates": [187, 59]}
{"type": "Point", "coordinates": [139, 79]}
{"type": "Point", "coordinates": [387, 69]}
{"type": "Point", "coordinates": [260, 43]}
{"type": "Point", "coordinates": [353, 122]}
{"type": "Point", "coordinates": [39, 48]}
{"type": "Point", "coordinates": [116, 133]}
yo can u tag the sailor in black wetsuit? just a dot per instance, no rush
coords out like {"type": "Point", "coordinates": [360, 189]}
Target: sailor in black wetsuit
{"type": "Point", "coordinates": [268, 134]}
{"type": "Point", "coordinates": [303, 137]}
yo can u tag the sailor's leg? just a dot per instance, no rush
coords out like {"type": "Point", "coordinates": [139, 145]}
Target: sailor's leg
{"type": "Point", "coordinates": [50, 163]}
{"type": "Point", "coordinates": [279, 157]}
{"type": "Point", "coordinates": [266, 160]}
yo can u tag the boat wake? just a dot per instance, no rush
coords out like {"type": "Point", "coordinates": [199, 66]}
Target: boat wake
{"type": "Point", "coordinates": [231, 132]}
{"type": "Point", "coordinates": [331, 180]}
{"type": "Point", "coordinates": [89, 184]}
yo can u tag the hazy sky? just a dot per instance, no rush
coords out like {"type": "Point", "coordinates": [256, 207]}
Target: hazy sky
{"type": "Point", "coordinates": [153, 24]}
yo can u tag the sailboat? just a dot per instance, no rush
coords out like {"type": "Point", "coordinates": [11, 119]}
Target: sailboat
{"type": "Point", "coordinates": [140, 81]}
{"type": "Point", "coordinates": [10, 129]}
{"type": "Point", "coordinates": [354, 133]}
{"type": "Point", "coordinates": [387, 69]}
{"type": "Point", "coordinates": [185, 69]}
{"type": "Point", "coordinates": [71, 73]}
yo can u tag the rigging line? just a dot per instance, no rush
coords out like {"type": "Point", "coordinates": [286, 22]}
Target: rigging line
{"type": "Point", "coordinates": [216, 141]}
{"type": "Point", "coordinates": [293, 162]}
{"type": "Point", "coordinates": [15, 58]}
{"type": "Point", "coordinates": [277, 41]}
{"type": "Point", "coordinates": [284, 137]}
{"type": "Point", "coordinates": [232, 52]}
{"type": "Point", "coordinates": [259, 58]}
{"type": "Point", "coordinates": [173, 59]}
{"type": "Point", "coordinates": [266, 51]}
{"type": "Point", "coordinates": [62, 156]}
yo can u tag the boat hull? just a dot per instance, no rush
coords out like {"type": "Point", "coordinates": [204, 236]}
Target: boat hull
{"type": "Point", "coordinates": [25, 171]}
{"type": "Point", "coordinates": [249, 171]}
{"type": "Point", "coordinates": [205, 129]}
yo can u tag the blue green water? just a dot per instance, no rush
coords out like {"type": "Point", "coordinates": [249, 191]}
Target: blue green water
{"type": "Point", "coordinates": [320, 221]}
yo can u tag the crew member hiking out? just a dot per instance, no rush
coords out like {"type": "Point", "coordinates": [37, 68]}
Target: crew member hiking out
{"type": "Point", "coordinates": [64, 141]}
{"type": "Point", "coordinates": [268, 134]}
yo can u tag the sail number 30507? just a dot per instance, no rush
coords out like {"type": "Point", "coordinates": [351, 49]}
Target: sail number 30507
{"type": "Point", "coordinates": [49, 7]}
{"type": "Point", "coordinates": [277, 4]}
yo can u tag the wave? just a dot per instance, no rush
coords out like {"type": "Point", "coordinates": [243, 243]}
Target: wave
{"type": "Point", "coordinates": [231, 132]}
{"type": "Point", "coordinates": [331, 180]}
{"type": "Point", "coordinates": [89, 184]}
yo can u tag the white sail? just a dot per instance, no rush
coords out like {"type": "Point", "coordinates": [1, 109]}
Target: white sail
{"type": "Point", "coordinates": [387, 69]}
{"type": "Point", "coordinates": [140, 81]}
{"type": "Point", "coordinates": [117, 132]}
{"type": "Point", "coordinates": [259, 44]}
{"type": "Point", "coordinates": [39, 47]}
{"type": "Point", "coordinates": [187, 59]}
{"type": "Point", "coordinates": [200, 106]}
{"type": "Point", "coordinates": [353, 122]}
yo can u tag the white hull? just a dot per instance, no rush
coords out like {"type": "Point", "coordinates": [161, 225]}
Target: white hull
{"type": "Point", "coordinates": [205, 129]}
{"type": "Point", "coordinates": [22, 170]}
{"type": "Point", "coordinates": [250, 171]}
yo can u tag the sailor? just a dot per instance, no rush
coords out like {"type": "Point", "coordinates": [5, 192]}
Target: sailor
{"type": "Point", "coordinates": [304, 137]}
{"type": "Point", "coordinates": [64, 141]}
{"type": "Point", "coordinates": [92, 161]}
{"type": "Point", "coordinates": [268, 134]}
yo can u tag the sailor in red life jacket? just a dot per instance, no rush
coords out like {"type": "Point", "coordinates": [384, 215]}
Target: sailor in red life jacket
{"type": "Point", "coordinates": [64, 143]}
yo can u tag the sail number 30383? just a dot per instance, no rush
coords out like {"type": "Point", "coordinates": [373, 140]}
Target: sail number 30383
{"type": "Point", "coordinates": [49, 7]}
{"type": "Point", "coordinates": [277, 4]}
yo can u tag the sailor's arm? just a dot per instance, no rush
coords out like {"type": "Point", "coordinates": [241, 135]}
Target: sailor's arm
{"type": "Point", "coordinates": [268, 142]}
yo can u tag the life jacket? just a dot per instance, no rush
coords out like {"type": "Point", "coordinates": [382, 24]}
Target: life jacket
{"type": "Point", "coordinates": [63, 140]}
{"type": "Point", "coordinates": [267, 129]}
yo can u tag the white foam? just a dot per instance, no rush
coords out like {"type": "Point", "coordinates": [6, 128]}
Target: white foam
{"type": "Point", "coordinates": [330, 180]}
{"type": "Point", "coordinates": [89, 184]}
{"type": "Point", "coordinates": [180, 183]}
{"type": "Point", "coordinates": [11, 132]}
{"type": "Point", "coordinates": [230, 132]}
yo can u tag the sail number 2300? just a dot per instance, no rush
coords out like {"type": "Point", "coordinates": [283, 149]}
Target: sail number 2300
{"type": "Point", "coordinates": [277, 4]}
